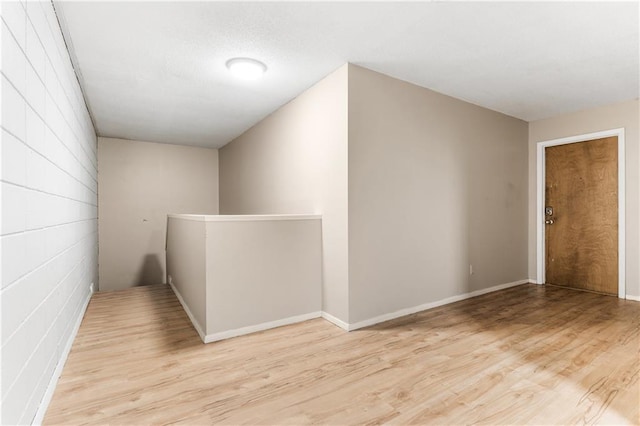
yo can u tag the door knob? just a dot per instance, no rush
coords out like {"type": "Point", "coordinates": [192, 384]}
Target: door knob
{"type": "Point", "coordinates": [549, 221]}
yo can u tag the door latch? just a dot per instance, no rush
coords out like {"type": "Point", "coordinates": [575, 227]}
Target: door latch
{"type": "Point", "coordinates": [548, 211]}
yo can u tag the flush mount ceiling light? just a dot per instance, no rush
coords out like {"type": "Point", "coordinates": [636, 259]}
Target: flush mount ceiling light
{"type": "Point", "coordinates": [246, 68]}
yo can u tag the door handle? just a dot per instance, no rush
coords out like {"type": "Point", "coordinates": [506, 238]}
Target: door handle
{"type": "Point", "coordinates": [549, 221]}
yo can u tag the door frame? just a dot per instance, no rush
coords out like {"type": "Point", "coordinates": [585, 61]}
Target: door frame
{"type": "Point", "coordinates": [540, 200]}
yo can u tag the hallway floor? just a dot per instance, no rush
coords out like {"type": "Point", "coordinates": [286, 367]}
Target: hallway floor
{"type": "Point", "coordinates": [525, 355]}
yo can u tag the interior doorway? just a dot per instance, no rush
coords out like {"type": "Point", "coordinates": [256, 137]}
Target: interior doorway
{"type": "Point", "coordinates": [580, 212]}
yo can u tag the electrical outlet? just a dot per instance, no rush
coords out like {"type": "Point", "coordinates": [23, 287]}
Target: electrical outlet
{"type": "Point", "coordinates": [470, 269]}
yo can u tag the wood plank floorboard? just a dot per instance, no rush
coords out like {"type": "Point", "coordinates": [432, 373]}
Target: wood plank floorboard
{"type": "Point", "coordinates": [525, 355]}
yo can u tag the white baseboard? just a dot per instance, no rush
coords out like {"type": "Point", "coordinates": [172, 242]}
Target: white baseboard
{"type": "Point", "coordinates": [343, 325]}
{"type": "Point", "coordinates": [51, 387]}
{"type": "Point", "coordinates": [260, 327]}
{"type": "Point", "coordinates": [430, 305]}
{"type": "Point", "coordinates": [195, 323]}
{"type": "Point", "coordinates": [227, 334]}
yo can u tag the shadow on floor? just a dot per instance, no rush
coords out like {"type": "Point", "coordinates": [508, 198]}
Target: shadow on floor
{"type": "Point", "coordinates": [554, 337]}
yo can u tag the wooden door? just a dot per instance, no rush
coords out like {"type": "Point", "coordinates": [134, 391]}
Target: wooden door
{"type": "Point", "coordinates": [581, 232]}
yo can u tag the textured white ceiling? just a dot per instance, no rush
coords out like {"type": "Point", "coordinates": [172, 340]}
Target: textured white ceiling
{"type": "Point", "coordinates": [156, 71]}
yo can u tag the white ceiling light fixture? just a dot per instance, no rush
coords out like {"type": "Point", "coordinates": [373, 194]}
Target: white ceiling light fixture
{"type": "Point", "coordinates": [246, 68]}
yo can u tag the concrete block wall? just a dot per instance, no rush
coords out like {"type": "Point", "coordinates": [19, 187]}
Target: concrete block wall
{"type": "Point", "coordinates": [48, 184]}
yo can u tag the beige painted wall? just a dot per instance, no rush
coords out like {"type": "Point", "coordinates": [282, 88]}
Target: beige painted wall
{"type": "Point", "coordinates": [625, 114]}
{"type": "Point", "coordinates": [295, 161]}
{"type": "Point", "coordinates": [261, 271]}
{"type": "Point", "coordinates": [186, 267]}
{"type": "Point", "coordinates": [139, 183]}
{"type": "Point", "coordinates": [435, 184]}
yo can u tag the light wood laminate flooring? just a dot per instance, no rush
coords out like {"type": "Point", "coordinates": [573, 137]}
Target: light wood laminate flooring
{"type": "Point", "coordinates": [525, 355]}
